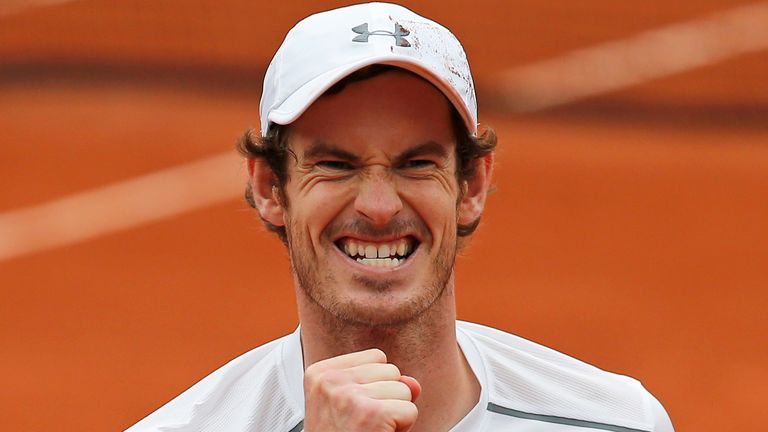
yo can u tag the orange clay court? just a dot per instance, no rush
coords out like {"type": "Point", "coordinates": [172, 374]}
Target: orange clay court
{"type": "Point", "coordinates": [629, 227]}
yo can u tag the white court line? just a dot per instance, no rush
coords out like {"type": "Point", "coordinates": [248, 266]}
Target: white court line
{"type": "Point", "coordinates": [546, 84]}
{"type": "Point", "coordinates": [11, 7]}
{"type": "Point", "coordinates": [641, 58]}
{"type": "Point", "coordinates": [111, 208]}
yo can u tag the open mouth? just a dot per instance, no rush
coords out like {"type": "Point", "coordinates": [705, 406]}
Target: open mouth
{"type": "Point", "coordinates": [388, 254]}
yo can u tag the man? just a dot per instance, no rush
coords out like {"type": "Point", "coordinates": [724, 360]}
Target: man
{"type": "Point", "coordinates": [370, 169]}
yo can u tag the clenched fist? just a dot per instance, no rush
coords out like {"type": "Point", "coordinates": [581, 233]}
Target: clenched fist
{"type": "Point", "coordinates": [359, 392]}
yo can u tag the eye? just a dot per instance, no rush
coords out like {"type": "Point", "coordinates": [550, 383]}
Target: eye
{"type": "Point", "coordinates": [335, 165]}
{"type": "Point", "coordinates": [418, 163]}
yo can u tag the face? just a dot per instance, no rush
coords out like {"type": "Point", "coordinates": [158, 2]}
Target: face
{"type": "Point", "coordinates": [372, 200]}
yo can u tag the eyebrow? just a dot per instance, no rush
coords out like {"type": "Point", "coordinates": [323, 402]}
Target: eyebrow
{"type": "Point", "coordinates": [320, 149]}
{"type": "Point", "coordinates": [429, 148]}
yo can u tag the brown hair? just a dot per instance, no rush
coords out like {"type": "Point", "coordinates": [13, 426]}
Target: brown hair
{"type": "Point", "coordinates": [274, 150]}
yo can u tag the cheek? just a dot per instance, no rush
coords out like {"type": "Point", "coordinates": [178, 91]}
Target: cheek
{"type": "Point", "coordinates": [434, 204]}
{"type": "Point", "coordinates": [313, 210]}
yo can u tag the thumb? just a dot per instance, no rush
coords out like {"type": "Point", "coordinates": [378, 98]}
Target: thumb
{"type": "Point", "coordinates": [413, 385]}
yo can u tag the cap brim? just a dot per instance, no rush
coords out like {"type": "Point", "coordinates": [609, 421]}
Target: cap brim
{"type": "Point", "coordinates": [298, 102]}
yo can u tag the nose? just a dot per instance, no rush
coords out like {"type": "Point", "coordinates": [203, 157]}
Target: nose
{"type": "Point", "coordinates": [377, 198]}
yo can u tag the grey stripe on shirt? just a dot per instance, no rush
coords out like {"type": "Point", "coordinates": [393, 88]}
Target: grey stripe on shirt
{"type": "Point", "coordinates": [559, 420]}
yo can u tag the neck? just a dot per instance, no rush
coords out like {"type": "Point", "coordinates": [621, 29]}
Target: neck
{"type": "Point", "coordinates": [424, 347]}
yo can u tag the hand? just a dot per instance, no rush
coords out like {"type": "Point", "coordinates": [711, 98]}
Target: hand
{"type": "Point", "coordinates": [359, 392]}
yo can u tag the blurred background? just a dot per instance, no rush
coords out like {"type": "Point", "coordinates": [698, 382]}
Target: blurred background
{"type": "Point", "coordinates": [629, 227]}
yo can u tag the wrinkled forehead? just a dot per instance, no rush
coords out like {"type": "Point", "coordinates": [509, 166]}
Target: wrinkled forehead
{"type": "Point", "coordinates": [383, 107]}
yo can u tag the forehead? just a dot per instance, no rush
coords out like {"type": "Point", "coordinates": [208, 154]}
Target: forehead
{"type": "Point", "coordinates": [387, 112]}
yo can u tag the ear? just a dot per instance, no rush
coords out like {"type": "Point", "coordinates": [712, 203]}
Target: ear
{"type": "Point", "coordinates": [266, 196]}
{"type": "Point", "coordinates": [476, 190]}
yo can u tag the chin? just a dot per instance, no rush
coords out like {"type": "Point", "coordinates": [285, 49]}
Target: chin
{"type": "Point", "coordinates": [380, 310]}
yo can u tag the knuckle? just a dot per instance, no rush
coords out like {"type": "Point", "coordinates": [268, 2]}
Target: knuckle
{"type": "Point", "coordinates": [329, 382]}
{"type": "Point", "coordinates": [394, 370]}
{"type": "Point", "coordinates": [403, 388]}
{"type": "Point", "coordinates": [413, 410]}
{"type": "Point", "coordinates": [335, 377]}
{"type": "Point", "coordinates": [343, 399]}
{"type": "Point", "coordinates": [311, 376]}
{"type": "Point", "coordinates": [380, 354]}
{"type": "Point", "coordinates": [366, 410]}
{"type": "Point", "coordinates": [311, 381]}
{"type": "Point", "coordinates": [349, 398]}
{"type": "Point", "coordinates": [311, 369]}
{"type": "Point", "coordinates": [324, 381]}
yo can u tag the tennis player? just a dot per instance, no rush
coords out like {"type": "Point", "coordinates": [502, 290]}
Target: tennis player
{"type": "Point", "coordinates": [370, 167]}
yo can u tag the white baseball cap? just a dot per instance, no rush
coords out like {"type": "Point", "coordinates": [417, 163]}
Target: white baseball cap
{"type": "Point", "coordinates": [324, 48]}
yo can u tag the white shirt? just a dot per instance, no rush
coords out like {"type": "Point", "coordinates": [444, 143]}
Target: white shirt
{"type": "Point", "coordinates": [525, 387]}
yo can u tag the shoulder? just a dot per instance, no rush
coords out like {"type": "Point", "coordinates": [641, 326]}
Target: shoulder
{"type": "Point", "coordinates": [248, 391]}
{"type": "Point", "coordinates": [531, 381]}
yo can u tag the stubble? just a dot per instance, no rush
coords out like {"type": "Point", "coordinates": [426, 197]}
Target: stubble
{"type": "Point", "coordinates": [380, 312]}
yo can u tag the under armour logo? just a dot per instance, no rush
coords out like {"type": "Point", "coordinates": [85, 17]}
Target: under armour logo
{"type": "Point", "coordinates": [362, 31]}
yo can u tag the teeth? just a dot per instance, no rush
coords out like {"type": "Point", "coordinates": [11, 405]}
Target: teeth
{"type": "Point", "coordinates": [378, 254]}
{"type": "Point", "coordinates": [380, 262]}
